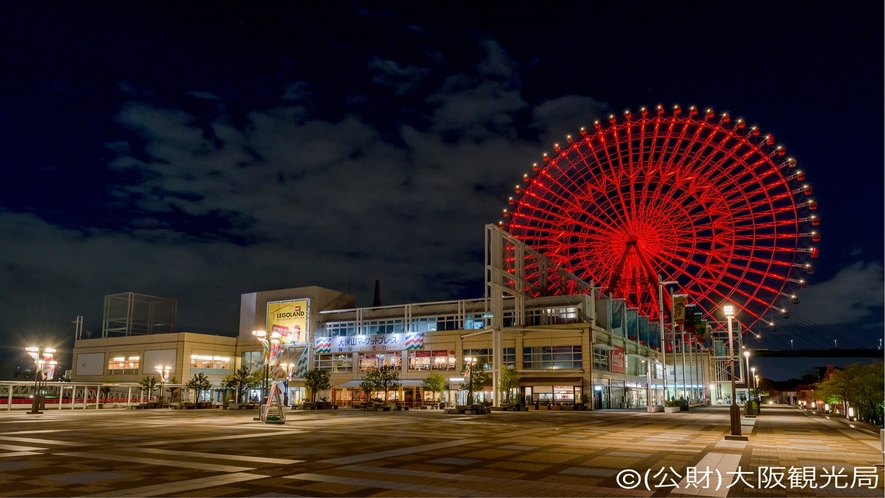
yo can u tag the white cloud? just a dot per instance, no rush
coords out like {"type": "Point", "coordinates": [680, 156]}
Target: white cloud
{"type": "Point", "coordinates": [204, 95]}
{"type": "Point", "coordinates": [853, 295]}
{"type": "Point", "coordinates": [402, 79]}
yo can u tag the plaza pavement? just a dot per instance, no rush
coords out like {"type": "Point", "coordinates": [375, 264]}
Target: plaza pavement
{"type": "Point", "coordinates": [349, 452]}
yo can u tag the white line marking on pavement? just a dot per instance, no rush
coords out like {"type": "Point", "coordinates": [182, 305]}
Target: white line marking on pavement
{"type": "Point", "coordinates": [213, 438]}
{"type": "Point", "coordinates": [376, 483]}
{"type": "Point", "coordinates": [396, 452]}
{"type": "Point", "coordinates": [208, 467]}
{"type": "Point", "coordinates": [178, 488]}
{"type": "Point", "coordinates": [14, 447]}
{"type": "Point", "coordinates": [216, 456]}
{"type": "Point", "coordinates": [40, 441]}
{"type": "Point", "coordinates": [19, 454]}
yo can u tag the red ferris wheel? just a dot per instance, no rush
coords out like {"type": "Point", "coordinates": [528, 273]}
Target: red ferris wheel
{"type": "Point", "coordinates": [696, 197]}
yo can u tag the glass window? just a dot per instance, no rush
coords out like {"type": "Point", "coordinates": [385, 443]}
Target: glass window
{"type": "Point", "coordinates": [375, 360]}
{"type": "Point", "coordinates": [335, 362]}
{"type": "Point", "coordinates": [424, 324]}
{"type": "Point", "coordinates": [337, 329]}
{"type": "Point", "coordinates": [509, 356]}
{"type": "Point", "coordinates": [600, 359]}
{"type": "Point", "coordinates": [550, 357]}
{"type": "Point", "coordinates": [253, 359]}
{"type": "Point", "coordinates": [123, 364]}
{"type": "Point", "coordinates": [209, 362]}
{"type": "Point", "coordinates": [485, 354]}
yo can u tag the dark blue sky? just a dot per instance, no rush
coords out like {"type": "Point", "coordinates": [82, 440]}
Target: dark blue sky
{"type": "Point", "coordinates": [199, 151]}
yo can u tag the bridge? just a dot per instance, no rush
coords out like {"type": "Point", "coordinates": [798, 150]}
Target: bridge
{"type": "Point", "coordinates": [816, 353]}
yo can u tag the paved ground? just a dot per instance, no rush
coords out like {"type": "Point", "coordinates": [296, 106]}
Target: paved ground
{"type": "Point", "coordinates": [430, 453]}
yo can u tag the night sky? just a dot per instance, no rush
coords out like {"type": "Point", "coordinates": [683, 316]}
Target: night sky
{"type": "Point", "coordinates": [200, 150]}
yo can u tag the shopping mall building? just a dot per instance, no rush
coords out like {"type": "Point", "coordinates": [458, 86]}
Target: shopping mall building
{"type": "Point", "coordinates": [558, 332]}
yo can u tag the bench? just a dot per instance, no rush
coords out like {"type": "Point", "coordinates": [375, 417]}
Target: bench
{"type": "Point", "coordinates": [240, 406]}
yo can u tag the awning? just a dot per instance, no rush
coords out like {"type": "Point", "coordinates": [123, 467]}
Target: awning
{"type": "Point", "coordinates": [550, 381]}
{"type": "Point", "coordinates": [355, 384]}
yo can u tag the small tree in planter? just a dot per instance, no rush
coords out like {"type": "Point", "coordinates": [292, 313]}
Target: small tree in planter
{"type": "Point", "coordinates": [240, 382]}
{"type": "Point", "coordinates": [317, 380]}
{"type": "Point", "coordinates": [476, 379]}
{"type": "Point", "coordinates": [200, 384]}
{"type": "Point", "coordinates": [149, 384]}
{"type": "Point", "coordinates": [388, 379]}
{"type": "Point", "coordinates": [508, 381]}
{"type": "Point", "coordinates": [434, 383]}
{"type": "Point", "coordinates": [367, 387]}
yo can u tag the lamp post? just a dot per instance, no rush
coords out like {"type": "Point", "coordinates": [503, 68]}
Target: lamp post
{"type": "Point", "coordinates": [262, 336]}
{"type": "Point", "coordinates": [734, 411]}
{"type": "Point", "coordinates": [469, 362]}
{"type": "Point", "coordinates": [164, 376]}
{"type": "Point", "coordinates": [661, 285]}
{"type": "Point", "coordinates": [42, 356]}
{"type": "Point", "coordinates": [288, 367]}
{"type": "Point", "coordinates": [747, 358]}
{"type": "Point", "coordinates": [755, 380]}
{"type": "Point", "coordinates": [266, 344]}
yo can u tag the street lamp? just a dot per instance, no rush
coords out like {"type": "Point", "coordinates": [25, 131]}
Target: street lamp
{"type": "Point", "coordinates": [42, 356]}
{"type": "Point", "coordinates": [164, 377]}
{"type": "Point", "coordinates": [266, 343]}
{"type": "Point", "coordinates": [470, 361]}
{"type": "Point", "coordinates": [755, 378]}
{"type": "Point", "coordinates": [747, 357]}
{"type": "Point", "coordinates": [734, 411]}
{"type": "Point", "coordinates": [661, 285]}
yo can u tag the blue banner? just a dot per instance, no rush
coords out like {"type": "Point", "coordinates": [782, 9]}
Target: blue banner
{"type": "Point", "coordinates": [617, 320]}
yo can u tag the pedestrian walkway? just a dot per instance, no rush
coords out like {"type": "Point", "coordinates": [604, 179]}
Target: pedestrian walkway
{"type": "Point", "coordinates": [431, 453]}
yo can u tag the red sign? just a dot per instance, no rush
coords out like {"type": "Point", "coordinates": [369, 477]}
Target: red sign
{"type": "Point", "coordinates": [618, 360]}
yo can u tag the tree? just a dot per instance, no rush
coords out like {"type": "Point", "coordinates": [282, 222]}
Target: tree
{"type": "Point", "coordinates": [367, 387]}
{"type": "Point", "coordinates": [200, 384]}
{"type": "Point", "coordinates": [868, 390]}
{"type": "Point", "coordinates": [476, 377]}
{"type": "Point", "coordinates": [508, 381]}
{"type": "Point", "coordinates": [385, 378]}
{"type": "Point", "coordinates": [149, 384]}
{"type": "Point", "coordinates": [241, 381]}
{"type": "Point", "coordinates": [388, 379]}
{"type": "Point", "coordinates": [317, 380]}
{"type": "Point", "coordinates": [860, 386]}
{"type": "Point", "coordinates": [172, 389]}
{"type": "Point", "coordinates": [434, 383]}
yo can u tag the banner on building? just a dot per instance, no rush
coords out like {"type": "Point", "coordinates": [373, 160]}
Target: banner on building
{"type": "Point", "coordinates": [617, 316]}
{"type": "Point", "coordinates": [643, 330]}
{"type": "Point", "coordinates": [289, 319]}
{"type": "Point", "coordinates": [679, 309]}
{"type": "Point", "coordinates": [376, 342]}
{"type": "Point", "coordinates": [300, 365]}
{"type": "Point", "coordinates": [618, 360]}
{"type": "Point", "coordinates": [632, 325]}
